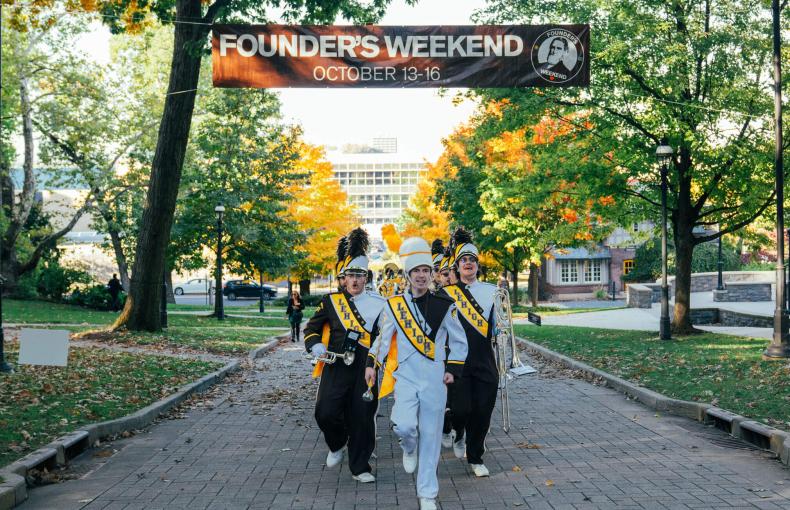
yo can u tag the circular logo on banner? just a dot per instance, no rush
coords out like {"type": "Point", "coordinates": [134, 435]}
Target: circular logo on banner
{"type": "Point", "coordinates": [557, 55]}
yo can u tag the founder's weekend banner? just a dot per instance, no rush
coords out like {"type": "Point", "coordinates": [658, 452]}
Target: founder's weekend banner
{"type": "Point", "coordinates": [483, 56]}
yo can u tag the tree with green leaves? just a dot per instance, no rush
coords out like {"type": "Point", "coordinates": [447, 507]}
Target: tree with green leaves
{"type": "Point", "coordinates": [39, 64]}
{"type": "Point", "coordinates": [694, 73]}
{"type": "Point", "coordinates": [192, 21]}
{"type": "Point", "coordinates": [244, 158]}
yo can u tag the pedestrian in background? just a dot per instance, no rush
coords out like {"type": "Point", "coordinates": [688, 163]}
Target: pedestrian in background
{"type": "Point", "coordinates": [294, 313]}
{"type": "Point", "coordinates": [114, 287]}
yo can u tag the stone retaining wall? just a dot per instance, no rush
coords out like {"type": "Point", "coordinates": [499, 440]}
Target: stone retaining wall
{"type": "Point", "coordinates": [704, 282]}
{"type": "Point", "coordinates": [744, 291]}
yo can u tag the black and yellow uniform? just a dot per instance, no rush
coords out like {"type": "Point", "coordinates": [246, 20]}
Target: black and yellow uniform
{"type": "Point", "coordinates": [341, 413]}
{"type": "Point", "coordinates": [474, 395]}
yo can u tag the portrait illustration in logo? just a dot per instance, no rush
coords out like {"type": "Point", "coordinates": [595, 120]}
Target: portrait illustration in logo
{"type": "Point", "coordinates": [557, 55]}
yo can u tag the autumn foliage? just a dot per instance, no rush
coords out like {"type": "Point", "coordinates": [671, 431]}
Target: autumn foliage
{"type": "Point", "coordinates": [322, 211]}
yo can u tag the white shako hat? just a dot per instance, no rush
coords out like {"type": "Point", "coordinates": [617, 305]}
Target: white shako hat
{"type": "Point", "coordinates": [462, 240]}
{"type": "Point", "coordinates": [357, 254]}
{"type": "Point", "coordinates": [414, 252]}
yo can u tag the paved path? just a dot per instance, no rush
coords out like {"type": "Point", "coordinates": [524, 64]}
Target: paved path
{"type": "Point", "coordinates": [646, 319]}
{"type": "Point", "coordinates": [252, 443]}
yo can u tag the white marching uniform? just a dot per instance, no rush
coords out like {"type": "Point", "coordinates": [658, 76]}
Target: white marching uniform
{"type": "Point", "coordinates": [420, 393]}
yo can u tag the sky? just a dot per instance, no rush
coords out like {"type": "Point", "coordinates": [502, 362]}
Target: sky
{"type": "Point", "coordinates": [418, 118]}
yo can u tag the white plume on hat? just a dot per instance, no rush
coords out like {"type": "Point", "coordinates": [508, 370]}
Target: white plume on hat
{"type": "Point", "coordinates": [414, 252]}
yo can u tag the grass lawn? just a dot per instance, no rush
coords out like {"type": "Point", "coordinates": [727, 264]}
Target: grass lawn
{"type": "Point", "coordinates": [39, 404]}
{"type": "Point", "coordinates": [19, 311]}
{"type": "Point", "coordinates": [218, 340]}
{"type": "Point", "coordinates": [726, 371]}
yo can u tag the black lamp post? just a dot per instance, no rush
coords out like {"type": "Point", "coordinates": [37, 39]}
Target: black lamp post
{"type": "Point", "coordinates": [780, 343]}
{"type": "Point", "coordinates": [219, 304]}
{"type": "Point", "coordinates": [720, 264]}
{"type": "Point", "coordinates": [664, 154]}
{"type": "Point", "coordinates": [4, 367]}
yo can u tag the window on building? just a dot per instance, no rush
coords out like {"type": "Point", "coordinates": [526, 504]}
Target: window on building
{"type": "Point", "coordinates": [592, 271]}
{"type": "Point", "coordinates": [568, 271]}
{"type": "Point", "coordinates": [628, 266]}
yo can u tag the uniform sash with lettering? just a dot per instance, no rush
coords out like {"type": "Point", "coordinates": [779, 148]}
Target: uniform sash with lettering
{"type": "Point", "coordinates": [413, 332]}
{"type": "Point", "coordinates": [347, 314]}
{"type": "Point", "coordinates": [470, 311]}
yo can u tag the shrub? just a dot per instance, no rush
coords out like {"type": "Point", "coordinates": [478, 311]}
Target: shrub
{"type": "Point", "coordinates": [55, 281]}
{"type": "Point", "coordinates": [647, 260]}
{"type": "Point", "coordinates": [95, 296]}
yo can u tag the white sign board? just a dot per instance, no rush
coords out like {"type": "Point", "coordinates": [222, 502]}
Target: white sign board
{"type": "Point", "coordinates": [44, 347]}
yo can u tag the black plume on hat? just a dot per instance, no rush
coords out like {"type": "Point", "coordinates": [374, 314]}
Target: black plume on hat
{"type": "Point", "coordinates": [358, 243]}
{"type": "Point", "coordinates": [437, 247]}
{"type": "Point", "coordinates": [342, 248]}
{"type": "Point", "coordinates": [461, 236]}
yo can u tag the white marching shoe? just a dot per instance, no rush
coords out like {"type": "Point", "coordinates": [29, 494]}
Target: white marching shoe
{"type": "Point", "coordinates": [410, 461]}
{"type": "Point", "coordinates": [448, 439]}
{"type": "Point", "coordinates": [364, 477]}
{"type": "Point", "coordinates": [427, 504]}
{"type": "Point", "coordinates": [480, 470]}
{"type": "Point", "coordinates": [459, 448]}
{"type": "Point", "coordinates": [334, 458]}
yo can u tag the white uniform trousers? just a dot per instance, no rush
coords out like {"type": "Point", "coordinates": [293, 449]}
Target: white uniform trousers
{"type": "Point", "coordinates": [418, 415]}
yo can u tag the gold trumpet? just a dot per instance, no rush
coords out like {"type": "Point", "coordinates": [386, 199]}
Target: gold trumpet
{"type": "Point", "coordinates": [505, 340]}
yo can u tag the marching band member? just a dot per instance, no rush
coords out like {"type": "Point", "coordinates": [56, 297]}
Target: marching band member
{"type": "Point", "coordinates": [415, 327]}
{"type": "Point", "coordinates": [345, 322]}
{"type": "Point", "coordinates": [474, 398]}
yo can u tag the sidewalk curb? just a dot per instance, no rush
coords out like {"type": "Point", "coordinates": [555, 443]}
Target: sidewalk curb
{"type": "Point", "coordinates": [758, 434]}
{"type": "Point", "coordinates": [13, 491]}
{"type": "Point", "coordinates": [268, 346]}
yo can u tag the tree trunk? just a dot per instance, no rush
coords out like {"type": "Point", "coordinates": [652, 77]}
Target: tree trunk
{"type": "Point", "coordinates": [304, 287]}
{"type": "Point", "coordinates": [533, 283]}
{"type": "Point", "coordinates": [142, 306]}
{"type": "Point", "coordinates": [682, 221]}
{"type": "Point", "coordinates": [120, 259]}
{"type": "Point", "coordinates": [171, 298]}
{"type": "Point", "coordinates": [684, 249]}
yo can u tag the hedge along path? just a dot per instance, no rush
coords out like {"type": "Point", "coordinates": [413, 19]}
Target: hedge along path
{"type": "Point", "coordinates": [39, 404]}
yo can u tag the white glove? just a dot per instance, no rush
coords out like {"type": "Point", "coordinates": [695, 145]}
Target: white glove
{"type": "Point", "coordinates": [318, 349]}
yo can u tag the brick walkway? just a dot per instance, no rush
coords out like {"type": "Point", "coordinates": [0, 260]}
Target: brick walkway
{"type": "Point", "coordinates": [254, 444]}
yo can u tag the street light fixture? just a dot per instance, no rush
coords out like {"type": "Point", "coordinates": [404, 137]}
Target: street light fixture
{"type": "Point", "coordinates": [219, 304]}
{"type": "Point", "coordinates": [664, 154]}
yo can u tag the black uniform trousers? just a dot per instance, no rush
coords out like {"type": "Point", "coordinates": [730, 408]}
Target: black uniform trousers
{"type": "Point", "coordinates": [343, 416]}
{"type": "Point", "coordinates": [472, 403]}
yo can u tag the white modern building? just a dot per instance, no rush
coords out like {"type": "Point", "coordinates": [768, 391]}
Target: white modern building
{"type": "Point", "coordinates": [380, 184]}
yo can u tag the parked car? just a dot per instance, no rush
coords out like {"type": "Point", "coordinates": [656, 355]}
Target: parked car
{"type": "Point", "coordinates": [193, 286]}
{"type": "Point", "coordinates": [235, 289]}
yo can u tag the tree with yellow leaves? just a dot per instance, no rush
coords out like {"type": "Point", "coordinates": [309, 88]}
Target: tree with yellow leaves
{"type": "Point", "coordinates": [323, 213]}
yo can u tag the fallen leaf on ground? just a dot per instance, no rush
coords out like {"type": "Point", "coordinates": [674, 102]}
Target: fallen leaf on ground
{"type": "Point", "coordinates": [527, 444]}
